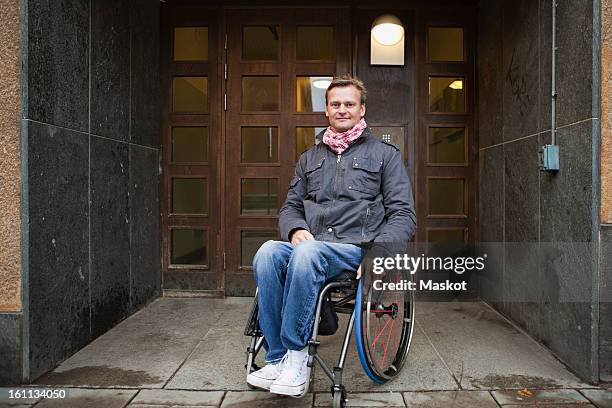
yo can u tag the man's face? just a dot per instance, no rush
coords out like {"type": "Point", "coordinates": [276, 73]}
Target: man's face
{"type": "Point", "coordinates": [344, 108]}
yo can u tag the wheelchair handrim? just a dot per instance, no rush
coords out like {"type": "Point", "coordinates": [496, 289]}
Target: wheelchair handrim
{"type": "Point", "coordinates": [359, 338]}
{"type": "Point", "coordinates": [363, 337]}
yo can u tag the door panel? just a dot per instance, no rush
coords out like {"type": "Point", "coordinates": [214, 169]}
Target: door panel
{"type": "Point", "coordinates": [446, 171]}
{"type": "Point", "coordinates": [275, 102]}
{"type": "Point", "coordinates": [191, 150]}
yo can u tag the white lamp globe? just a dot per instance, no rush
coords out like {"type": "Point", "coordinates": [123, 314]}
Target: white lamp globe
{"type": "Point", "coordinates": [387, 29]}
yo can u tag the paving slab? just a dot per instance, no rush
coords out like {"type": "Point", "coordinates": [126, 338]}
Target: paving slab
{"type": "Point", "coordinates": [455, 399]}
{"type": "Point", "coordinates": [164, 406]}
{"type": "Point", "coordinates": [179, 397]}
{"type": "Point", "coordinates": [373, 399]}
{"type": "Point", "coordinates": [539, 397]}
{"type": "Point", "coordinates": [586, 405]}
{"type": "Point", "coordinates": [487, 352]}
{"type": "Point", "coordinates": [423, 369]}
{"type": "Point", "coordinates": [100, 398]}
{"type": "Point", "coordinates": [217, 363]}
{"type": "Point", "coordinates": [142, 351]}
{"type": "Point", "coordinates": [263, 399]}
{"type": "Point", "coordinates": [601, 398]}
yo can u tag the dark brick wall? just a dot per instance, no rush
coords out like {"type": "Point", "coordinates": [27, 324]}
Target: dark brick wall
{"type": "Point", "coordinates": [91, 132]}
{"type": "Point", "coordinates": [514, 81]}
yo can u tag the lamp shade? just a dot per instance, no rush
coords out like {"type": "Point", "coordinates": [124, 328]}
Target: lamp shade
{"type": "Point", "coordinates": [387, 29]}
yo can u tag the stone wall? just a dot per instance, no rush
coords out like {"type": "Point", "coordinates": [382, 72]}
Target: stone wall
{"type": "Point", "coordinates": [605, 314]}
{"type": "Point", "coordinates": [518, 202]}
{"type": "Point", "coordinates": [10, 100]}
{"type": "Point", "coordinates": [10, 184]}
{"type": "Point", "coordinates": [91, 131]}
{"type": "Point", "coordinates": [606, 111]}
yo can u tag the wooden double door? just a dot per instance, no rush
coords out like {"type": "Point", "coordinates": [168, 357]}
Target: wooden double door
{"type": "Point", "coordinates": [245, 95]}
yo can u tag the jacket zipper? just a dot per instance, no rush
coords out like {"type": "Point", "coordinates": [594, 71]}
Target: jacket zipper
{"type": "Point", "coordinates": [335, 185]}
{"type": "Point", "coordinates": [365, 222]}
{"type": "Point", "coordinates": [321, 225]}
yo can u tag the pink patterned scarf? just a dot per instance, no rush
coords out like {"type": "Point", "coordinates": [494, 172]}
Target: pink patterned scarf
{"type": "Point", "coordinates": [338, 142]}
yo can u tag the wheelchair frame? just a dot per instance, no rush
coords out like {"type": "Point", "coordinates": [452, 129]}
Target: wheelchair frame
{"type": "Point", "coordinates": [349, 288]}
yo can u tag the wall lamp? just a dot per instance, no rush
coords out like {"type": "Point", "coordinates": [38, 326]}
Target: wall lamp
{"type": "Point", "coordinates": [387, 41]}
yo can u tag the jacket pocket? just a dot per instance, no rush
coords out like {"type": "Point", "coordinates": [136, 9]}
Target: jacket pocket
{"type": "Point", "coordinates": [365, 175]}
{"type": "Point", "coordinates": [313, 175]}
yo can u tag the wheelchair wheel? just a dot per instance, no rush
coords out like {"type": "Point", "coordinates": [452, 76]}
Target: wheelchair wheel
{"type": "Point", "coordinates": [339, 397]}
{"type": "Point", "coordinates": [384, 322]}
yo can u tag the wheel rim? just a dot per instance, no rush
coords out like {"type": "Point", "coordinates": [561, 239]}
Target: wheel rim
{"type": "Point", "coordinates": [387, 319]}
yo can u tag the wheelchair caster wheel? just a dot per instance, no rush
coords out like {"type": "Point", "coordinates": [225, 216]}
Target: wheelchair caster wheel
{"type": "Point", "coordinates": [339, 398]}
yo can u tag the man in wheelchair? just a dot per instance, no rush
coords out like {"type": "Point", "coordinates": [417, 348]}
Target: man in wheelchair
{"type": "Point", "coordinates": [348, 190]}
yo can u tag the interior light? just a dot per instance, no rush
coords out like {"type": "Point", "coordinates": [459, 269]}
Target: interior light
{"type": "Point", "coordinates": [456, 84]}
{"type": "Point", "coordinates": [321, 83]}
{"type": "Point", "coordinates": [387, 30]}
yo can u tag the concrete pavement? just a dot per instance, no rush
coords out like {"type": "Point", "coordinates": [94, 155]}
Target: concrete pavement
{"type": "Point", "coordinates": [188, 352]}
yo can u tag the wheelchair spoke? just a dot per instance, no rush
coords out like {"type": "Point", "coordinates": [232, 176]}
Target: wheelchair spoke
{"type": "Point", "coordinates": [385, 331]}
{"type": "Point", "coordinates": [387, 345]}
{"type": "Point", "coordinates": [381, 332]}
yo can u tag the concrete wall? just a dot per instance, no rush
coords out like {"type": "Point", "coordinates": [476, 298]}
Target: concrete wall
{"type": "Point", "coordinates": [10, 201]}
{"type": "Point", "coordinates": [606, 111]}
{"type": "Point", "coordinates": [91, 191]}
{"type": "Point", "coordinates": [518, 202]}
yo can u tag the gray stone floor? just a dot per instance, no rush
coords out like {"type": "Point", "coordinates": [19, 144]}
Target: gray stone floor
{"type": "Point", "coordinates": [190, 353]}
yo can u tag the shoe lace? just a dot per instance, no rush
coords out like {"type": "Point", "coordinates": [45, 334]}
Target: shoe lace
{"type": "Point", "coordinates": [283, 362]}
{"type": "Point", "coordinates": [288, 361]}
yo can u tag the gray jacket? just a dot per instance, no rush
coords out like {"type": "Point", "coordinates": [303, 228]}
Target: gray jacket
{"type": "Point", "coordinates": [362, 195]}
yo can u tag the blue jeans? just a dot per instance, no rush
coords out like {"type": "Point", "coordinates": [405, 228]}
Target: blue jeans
{"type": "Point", "coordinates": [289, 280]}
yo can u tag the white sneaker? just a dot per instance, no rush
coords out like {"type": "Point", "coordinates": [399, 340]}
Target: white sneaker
{"type": "Point", "coordinates": [295, 374]}
{"type": "Point", "coordinates": [264, 377]}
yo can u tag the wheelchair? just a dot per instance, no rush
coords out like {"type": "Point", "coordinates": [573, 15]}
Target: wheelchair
{"type": "Point", "coordinates": [382, 319]}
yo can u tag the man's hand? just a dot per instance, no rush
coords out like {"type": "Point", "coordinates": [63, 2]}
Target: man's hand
{"type": "Point", "coordinates": [300, 235]}
{"type": "Point", "coordinates": [358, 273]}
